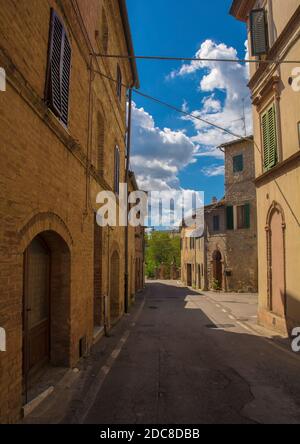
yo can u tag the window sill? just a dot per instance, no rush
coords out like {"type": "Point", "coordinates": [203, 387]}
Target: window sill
{"type": "Point", "coordinates": [278, 170]}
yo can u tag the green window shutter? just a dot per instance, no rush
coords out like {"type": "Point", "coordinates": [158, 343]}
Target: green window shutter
{"type": "Point", "coordinates": [265, 137]}
{"type": "Point", "coordinates": [272, 137]}
{"type": "Point", "coordinates": [247, 216]}
{"type": "Point", "coordinates": [229, 214]}
{"type": "Point", "coordinates": [259, 32]}
{"type": "Point", "coordinates": [269, 136]}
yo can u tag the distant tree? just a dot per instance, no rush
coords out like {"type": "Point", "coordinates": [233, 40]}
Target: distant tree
{"type": "Point", "coordinates": [161, 249]}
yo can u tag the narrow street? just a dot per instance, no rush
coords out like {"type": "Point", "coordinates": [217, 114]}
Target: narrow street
{"type": "Point", "coordinates": [187, 359]}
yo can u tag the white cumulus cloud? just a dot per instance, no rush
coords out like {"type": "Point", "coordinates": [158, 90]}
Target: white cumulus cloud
{"type": "Point", "coordinates": [213, 170]}
{"type": "Point", "coordinates": [159, 154]}
{"type": "Point", "coordinates": [231, 80]}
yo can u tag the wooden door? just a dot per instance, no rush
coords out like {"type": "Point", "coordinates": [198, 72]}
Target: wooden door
{"type": "Point", "coordinates": [199, 276]}
{"type": "Point", "coordinates": [277, 266]}
{"type": "Point", "coordinates": [36, 305]}
{"type": "Point", "coordinates": [218, 269]}
{"type": "Point", "coordinates": [189, 275]}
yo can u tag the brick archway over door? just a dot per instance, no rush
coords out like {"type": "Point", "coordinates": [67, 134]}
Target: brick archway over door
{"type": "Point", "coordinates": [276, 261]}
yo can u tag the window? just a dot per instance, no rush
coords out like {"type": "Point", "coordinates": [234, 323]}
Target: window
{"type": "Point", "coordinates": [119, 83]}
{"type": "Point", "coordinates": [259, 32]}
{"type": "Point", "coordinates": [269, 138]}
{"type": "Point", "coordinates": [117, 170]}
{"type": "Point", "coordinates": [238, 163]}
{"type": "Point", "coordinates": [59, 70]}
{"type": "Point", "coordinates": [229, 217]}
{"type": "Point", "coordinates": [243, 216]}
{"type": "Point", "coordinates": [216, 223]}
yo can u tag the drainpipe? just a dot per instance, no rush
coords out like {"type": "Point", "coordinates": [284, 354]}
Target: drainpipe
{"type": "Point", "coordinates": [126, 296]}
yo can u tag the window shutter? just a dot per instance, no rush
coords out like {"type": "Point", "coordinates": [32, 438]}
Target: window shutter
{"type": "Point", "coordinates": [65, 79]}
{"type": "Point", "coordinates": [265, 137]}
{"type": "Point", "coordinates": [272, 130]}
{"type": "Point", "coordinates": [59, 67]}
{"type": "Point", "coordinates": [238, 163]}
{"type": "Point", "coordinates": [269, 136]}
{"type": "Point", "coordinates": [53, 78]}
{"type": "Point", "coordinates": [259, 33]}
{"type": "Point", "coordinates": [230, 221]}
{"type": "Point", "coordinates": [247, 216]}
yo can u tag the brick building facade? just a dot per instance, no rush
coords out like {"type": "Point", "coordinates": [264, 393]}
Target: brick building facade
{"type": "Point", "coordinates": [225, 257]}
{"type": "Point", "coordinates": [136, 251]}
{"type": "Point", "coordinates": [63, 128]}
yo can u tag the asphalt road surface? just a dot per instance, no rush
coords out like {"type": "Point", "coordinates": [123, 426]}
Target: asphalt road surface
{"type": "Point", "coordinates": [186, 360]}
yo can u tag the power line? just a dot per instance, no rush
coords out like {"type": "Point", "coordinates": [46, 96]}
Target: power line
{"type": "Point", "coordinates": [196, 59]}
{"type": "Point", "coordinates": [179, 110]}
{"type": "Point", "coordinates": [187, 114]}
{"type": "Point", "coordinates": [252, 140]}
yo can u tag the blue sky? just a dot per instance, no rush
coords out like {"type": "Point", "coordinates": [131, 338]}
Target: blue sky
{"type": "Point", "coordinates": [169, 151]}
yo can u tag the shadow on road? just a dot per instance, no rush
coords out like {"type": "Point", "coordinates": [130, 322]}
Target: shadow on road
{"type": "Point", "coordinates": [180, 366]}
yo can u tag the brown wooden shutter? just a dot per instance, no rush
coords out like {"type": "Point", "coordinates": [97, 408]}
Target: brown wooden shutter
{"type": "Point", "coordinates": [247, 216]}
{"type": "Point", "coordinates": [65, 79]}
{"type": "Point", "coordinates": [259, 32]}
{"type": "Point", "coordinates": [230, 217]}
{"type": "Point", "coordinates": [53, 89]}
{"type": "Point", "coordinates": [59, 66]}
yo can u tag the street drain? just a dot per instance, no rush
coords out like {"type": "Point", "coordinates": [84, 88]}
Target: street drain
{"type": "Point", "coordinates": [219, 326]}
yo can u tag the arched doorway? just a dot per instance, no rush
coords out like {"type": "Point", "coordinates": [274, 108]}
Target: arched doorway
{"type": "Point", "coordinates": [276, 259]}
{"type": "Point", "coordinates": [114, 287]}
{"type": "Point", "coordinates": [199, 276]}
{"type": "Point", "coordinates": [189, 275]}
{"type": "Point", "coordinates": [98, 300]}
{"type": "Point", "coordinates": [46, 304]}
{"type": "Point", "coordinates": [37, 304]}
{"type": "Point", "coordinates": [217, 270]}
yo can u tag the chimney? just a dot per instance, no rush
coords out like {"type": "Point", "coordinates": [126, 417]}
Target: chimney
{"type": "Point", "coordinates": [214, 200]}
